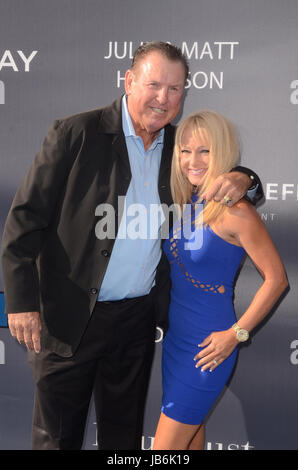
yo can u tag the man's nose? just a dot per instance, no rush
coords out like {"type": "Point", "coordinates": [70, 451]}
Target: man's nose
{"type": "Point", "coordinates": [162, 95]}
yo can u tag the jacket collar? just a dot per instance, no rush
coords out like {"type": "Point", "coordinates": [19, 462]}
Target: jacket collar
{"type": "Point", "coordinates": [111, 120]}
{"type": "Point", "coordinates": [111, 123]}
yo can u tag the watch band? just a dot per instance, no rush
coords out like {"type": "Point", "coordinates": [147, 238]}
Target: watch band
{"type": "Point", "coordinates": [259, 193]}
{"type": "Point", "coordinates": [241, 334]}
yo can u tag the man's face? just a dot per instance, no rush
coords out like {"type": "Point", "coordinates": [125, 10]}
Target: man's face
{"type": "Point", "coordinates": [154, 91]}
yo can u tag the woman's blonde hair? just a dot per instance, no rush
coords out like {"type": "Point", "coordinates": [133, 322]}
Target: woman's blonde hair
{"type": "Point", "coordinates": [223, 151]}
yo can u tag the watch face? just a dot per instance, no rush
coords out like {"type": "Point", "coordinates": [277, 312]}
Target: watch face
{"type": "Point", "coordinates": [242, 335]}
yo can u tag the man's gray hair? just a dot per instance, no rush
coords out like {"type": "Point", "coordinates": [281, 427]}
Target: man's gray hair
{"type": "Point", "coordinates": [171, 52]}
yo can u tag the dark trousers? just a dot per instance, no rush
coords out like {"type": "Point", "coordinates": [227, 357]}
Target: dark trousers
{"type": "Point", "coordinates": [113, 362]}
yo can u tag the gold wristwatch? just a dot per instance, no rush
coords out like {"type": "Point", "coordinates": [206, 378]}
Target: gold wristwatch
{"type": "Point", "coordinates": [241, 334]}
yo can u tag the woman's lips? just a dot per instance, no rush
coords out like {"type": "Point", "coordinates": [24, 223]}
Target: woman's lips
{"type": "Point", "coordinates": [196, 172]}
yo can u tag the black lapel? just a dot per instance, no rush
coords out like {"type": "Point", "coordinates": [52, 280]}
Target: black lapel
{"type": "Point", "coordinates": [167, 154]}
{"type": "Point", "coordinates": [111, 123]}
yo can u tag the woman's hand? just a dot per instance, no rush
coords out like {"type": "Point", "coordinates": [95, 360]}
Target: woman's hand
{"type": "Point", "coordinates": [217, 347]}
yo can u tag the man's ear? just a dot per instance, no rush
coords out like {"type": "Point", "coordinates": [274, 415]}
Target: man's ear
{"type": "Point", "coordinates": [129, 78]}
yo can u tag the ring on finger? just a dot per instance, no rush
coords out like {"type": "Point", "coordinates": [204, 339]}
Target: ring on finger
{"type": "Point", "coordinates": [227, 199]}
{"type": "Point", "coordinates": [215, 362]}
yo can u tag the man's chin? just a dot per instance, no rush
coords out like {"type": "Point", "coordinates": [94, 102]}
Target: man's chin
{"type": "Point", "coordinates": [156, 125]}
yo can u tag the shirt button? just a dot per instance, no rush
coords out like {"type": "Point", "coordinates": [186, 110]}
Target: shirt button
{"type": "Point", "coordinates": [105, 253]}
{"type": "Point", "coordinates": [93, 290]}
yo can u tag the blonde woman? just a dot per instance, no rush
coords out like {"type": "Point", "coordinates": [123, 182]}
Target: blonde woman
{"type": "Point", "coordinates": [200, 347]}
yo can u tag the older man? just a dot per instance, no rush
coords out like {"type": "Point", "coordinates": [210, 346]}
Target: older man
{"type": "Point", "coordinates": [86, 307]}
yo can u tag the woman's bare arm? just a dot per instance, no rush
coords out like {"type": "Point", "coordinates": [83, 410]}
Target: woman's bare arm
{"type": "Point", "coordinates": [243, 223]}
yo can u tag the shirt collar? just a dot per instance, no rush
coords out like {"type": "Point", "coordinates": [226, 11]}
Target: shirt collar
{"type": "Point", "coordinates": [127, 124]}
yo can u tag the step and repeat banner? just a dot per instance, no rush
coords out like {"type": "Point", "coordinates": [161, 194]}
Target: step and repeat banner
{"type": "Point", "coordinates": [61, 57]}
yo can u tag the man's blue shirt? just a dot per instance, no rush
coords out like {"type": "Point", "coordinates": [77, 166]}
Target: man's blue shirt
{"type": "Point", "coordinates": [137, 248]}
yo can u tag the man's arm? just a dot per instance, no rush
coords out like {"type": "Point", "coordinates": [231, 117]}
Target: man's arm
{"type": "Point", "coordinates": [23, 235]}
{"type": "Point", "coordinates": [255, 191]}
{"type": "Point", "coordinates": [234, 186]}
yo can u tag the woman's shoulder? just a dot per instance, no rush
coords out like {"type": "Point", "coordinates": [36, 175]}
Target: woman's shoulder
{"type": "Point", "coordinates": [242, 208]}
{"type": "Point", "coordinates": [242, 215]}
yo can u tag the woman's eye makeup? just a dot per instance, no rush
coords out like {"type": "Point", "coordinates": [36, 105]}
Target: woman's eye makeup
{"type": "Point", "coordinates": [183, 150]}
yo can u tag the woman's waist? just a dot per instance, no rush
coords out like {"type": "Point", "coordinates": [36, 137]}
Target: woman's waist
{"type": "Point", "coordinates": [197, 313]}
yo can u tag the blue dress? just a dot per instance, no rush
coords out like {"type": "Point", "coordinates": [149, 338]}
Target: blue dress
{"type": "Point", "coordinates": [203, 270]}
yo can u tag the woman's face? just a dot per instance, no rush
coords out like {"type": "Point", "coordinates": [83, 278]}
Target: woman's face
{"type": "Point", "coordinates": [194, 156]}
